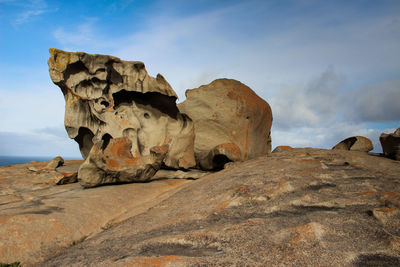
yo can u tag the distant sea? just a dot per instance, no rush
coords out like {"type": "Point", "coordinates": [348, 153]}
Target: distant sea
{"type": "Point", "coordinates": [12, 160]}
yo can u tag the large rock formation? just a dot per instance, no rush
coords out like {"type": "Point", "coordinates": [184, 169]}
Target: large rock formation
{"type": "Point", "coordinates": [125, 121]}
{"type": "Point", "coordinates": [301, 207]}
{"type": "Point", "coordinates": [231, 123]}
{"type": "Point", "coordinates": [391, 144]}
{"type": "Point", "coordinates": [355, 143]}
{"type": "Point", "coordinates": [128, 126]}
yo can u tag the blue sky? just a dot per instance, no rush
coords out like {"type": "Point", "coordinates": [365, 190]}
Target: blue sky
{"type": "Point", "coordinates": [329, 69]}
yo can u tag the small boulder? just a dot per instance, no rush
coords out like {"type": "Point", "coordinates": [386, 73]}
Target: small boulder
{"type": "Point", "coordinates": [391, 144]}
{"type": "Point", "coordinates": [50, 166]}
{"type": "Point", "coordinates": [355, 143]}
{"type": "Point", "coordinates": [55, 163]}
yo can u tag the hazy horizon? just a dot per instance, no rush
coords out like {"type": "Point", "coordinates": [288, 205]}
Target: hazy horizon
{"type": "Point", "coordinates": [329, 69]}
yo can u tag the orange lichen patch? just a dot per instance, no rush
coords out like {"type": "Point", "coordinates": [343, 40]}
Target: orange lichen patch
{"type": "Point", "coordinates": [245, 95]}
{"type": "Point", "coordinates": [59, 59]}
{"type": "Point", "coordinates": [297, 238]}
{"type": "Point", "coordinates": [119, 148]}
{"type": "Point", "coordinates": [369, 192]}
{"type": "Point", "coordinates": [392, 197]}
{"type": "Point", "coordinates": [223, 205]}
{"type": "Point", "coordinates": [308, 231]}
{"type": "Point", "coordinates": [112, 164]}
{"type": "Point", "coordinates": [118, 154]}
{"type": "Point", "coordinates": [390, 211]}
{"type": "Point", "coordinates": [67, 174]}
{"type": "Point", "coordinates": [232, 148]}
{"type": "Point", "coordinates": [160, 149]}
{"type": "Point", "coordinates": [241, 189]}
{"type": "Point", "coordinates": [154, 262]}
{"type": "Point", "coordinates": [250, 222]}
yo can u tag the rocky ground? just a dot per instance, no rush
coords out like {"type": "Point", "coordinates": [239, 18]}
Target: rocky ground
{"type": "Point", "coordinates": [299, 207]}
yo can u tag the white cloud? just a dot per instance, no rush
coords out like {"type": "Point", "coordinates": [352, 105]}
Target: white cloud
{"type": "Point", "coordinates": [30, 9]}
{"type": "Point", "coordinates": [313, 104]}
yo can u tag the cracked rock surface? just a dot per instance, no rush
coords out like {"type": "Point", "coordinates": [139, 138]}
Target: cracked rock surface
{"type": "Point", "coordinates": [125, 121]}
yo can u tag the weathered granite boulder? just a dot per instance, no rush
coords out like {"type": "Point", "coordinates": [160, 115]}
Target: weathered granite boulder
{"type": "Point", "coordinates": [355, 143]}
{"type": "Point", "coordinates": [231, 123]}
{"type": "Point", "coordinates": [391, 144]}
{"type": "Point", "coordinates": [126, 122]}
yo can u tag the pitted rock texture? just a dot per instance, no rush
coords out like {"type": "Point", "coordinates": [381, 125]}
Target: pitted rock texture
{"type": "Point", "coordinates": [301, 207]}
{"type": "Point", "coordinates": [355, 143]}
{"type": "Point", "coordinates": [231, 123]}
{"type": "Point", "coordinates": [391, 144]}
{"type": "Point", "coordinates": [126, 122]}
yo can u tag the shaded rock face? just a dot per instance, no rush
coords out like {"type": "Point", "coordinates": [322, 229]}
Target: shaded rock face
{"type": "Point", "coordinates": [231, 123]}
{"type": "Point", "coordinates": [126, 122]}
{"type": "Point", "coordinates": [355, 143]}
{"type": "Point", "coordinates": [391, 144]}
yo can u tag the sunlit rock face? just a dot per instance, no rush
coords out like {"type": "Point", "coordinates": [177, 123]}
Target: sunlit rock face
{"type": "Point", "coordinates": [126, 122]}
{"type": "Point", "coordinates": [232, 123]}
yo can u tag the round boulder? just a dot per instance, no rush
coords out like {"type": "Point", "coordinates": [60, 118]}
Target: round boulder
{"type": "Point", "coordinates": [355, 143]}
{"type": "Point", "coordinates": [231, 122]}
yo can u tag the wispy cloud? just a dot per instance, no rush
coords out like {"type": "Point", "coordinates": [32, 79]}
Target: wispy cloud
{"type": "Point", "coordinates": [82, 37]}
{"type": "Point", "coordinates": [29, 10]}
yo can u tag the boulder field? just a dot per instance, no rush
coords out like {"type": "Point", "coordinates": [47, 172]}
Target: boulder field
{"type": "Point", "coordinates": [297, 207]}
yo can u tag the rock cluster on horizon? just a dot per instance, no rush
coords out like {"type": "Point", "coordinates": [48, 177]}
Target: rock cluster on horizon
{"type": "Point", "coordinates": [128, 125]}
